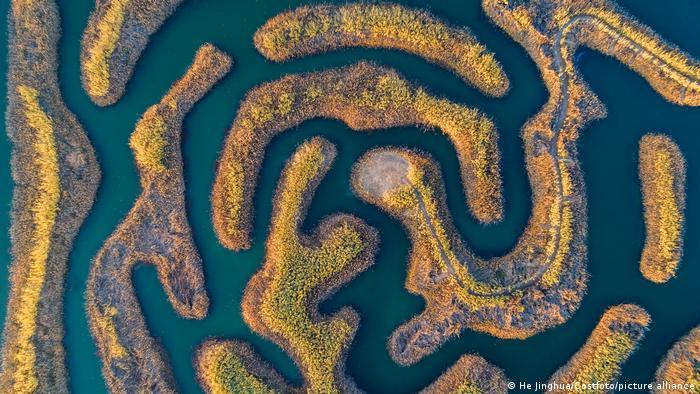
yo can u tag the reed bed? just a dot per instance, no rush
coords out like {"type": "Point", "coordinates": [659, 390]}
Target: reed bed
{"type": "Point", "coordinates": [471, 374]}
{"type": "Point", "coordinates": [551, 32]}
{"type": "Point", "coordinates": [116, 35]}
{"type": "Point", "coordinates": [514, 296]}
{"type": "Point", "coordinates": [281, 301]}
{"type": "Point", "coordinates": [366, 97]}
{"type": "Point", "coordinates": [320, 28]}
{"type": "Point", "coordinates": [679, 372]}
{"type": "Point", "coordinates": [600, 359]}
{"type": "Point", "coordinates": [155, 231]}
{"type": "Point", "coordinates": [662, 174]}
{"type": "Point", "coordinates": [55, 176]}
{"type": "Point", "coordinates": [225, 367]}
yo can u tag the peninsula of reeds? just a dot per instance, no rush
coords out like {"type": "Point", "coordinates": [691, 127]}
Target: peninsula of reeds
{"type": "Point", "coordinates": [679, 371]}
{"type": "Point", "coordinates": [156, 231]}
{"type": "Point", "coordinates": [662, 173]}
{"type": "Point", "coordinates": [471, 374]}
{"type": "Point", "coordinates": [503, 296]}
{"type": "Point", "coordinates": [600, 359]}
{"type": "Point", "coordinates": [309, 30]}
{"type": "Point", "coordinates": [225, 367]}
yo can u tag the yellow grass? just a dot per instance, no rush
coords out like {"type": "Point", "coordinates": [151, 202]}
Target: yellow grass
{"type": "Point", "coordinates": [43, 209]}
{"type": "Point", "coordinates": [105, 324]}
{"type": "Point", "coordinates": [610, 344]}
{"type": "Point", "coordinates": [680, 365]}
{"type": "Point", "coordinates": [148, 141]}
{"type": "Point", "coordinates": [222, 371]}
{"type": "Point", "coordinates": [97, 63]}
{"type": "Point", "coordinates": [280, 301]}
{"type": "Point", "coordinates": [471, 374]}
{"type": "Point", "coordinates": [312, 29]}
{"type": "Point", "coordinates": [366, 97]}
{"type": "Point", "coordinates": [662, 172]}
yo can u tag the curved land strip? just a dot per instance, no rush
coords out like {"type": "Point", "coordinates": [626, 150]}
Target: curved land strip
{"type": "Point", "coordinates": [551, 31]}
{"type": "Point", "coordinates": [681, 366]}
{"type": "Point", "coordinates": [366, 97]}
{"type": "Point", "coordinates": [611, 343]}
{"type": "Point", "coordinates": [662, 172]}
{"type": "Point", "coordinates": [116, 34]}
{"type": "Point", "coordinates": [471, 374]}
{"type": "Point", "coordinates": [536, 286]}
{"type": "Point", "coordinates": [155, 231]}
{"type": "Point", "coordinates": [281, 301]}
{"type": "Point", "coordinates": [315, 29]}
{"type": "Point", "coordinates": [55, 175]}
{"type": "Point", "coordinates": [234, 367]}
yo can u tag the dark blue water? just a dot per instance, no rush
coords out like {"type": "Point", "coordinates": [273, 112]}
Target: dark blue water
{"type": "Point", "coordinates": [608, 151]}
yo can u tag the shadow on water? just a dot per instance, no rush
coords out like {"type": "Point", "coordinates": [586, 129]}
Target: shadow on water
{"type": "Point", "coordinates": [608, 152]}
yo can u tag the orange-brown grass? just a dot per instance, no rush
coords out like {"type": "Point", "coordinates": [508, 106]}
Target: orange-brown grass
{"type": "Point", "coordinates": [471, 374]}
{"type": "Point", "coordinates": [366, 97]}
{"type": "Point", "coordinates": [535, 286]}
{"type": "Point", "coordinates": [116, 34]}
{"type": "Point", "coordinates": [155, 231]}
{"type": "Point", "coordinates": [680, 367]}
{"type": "Point", "coordinates": [550, 32]}
{"type": "Point", "coordinates": [662, 173]}
{"type": "Point", "coordinates": [56, 175]}
{"type": "Point", "coordinates": [605, 27]}
{"type": "Point", "coordinates": [233, 367]}
{"type": "Point", "coordinates": [314, 29]}
{"type": "Point", "coordinates": [281, 300]}
{"type": "Point", "coordinates": [600, 360]}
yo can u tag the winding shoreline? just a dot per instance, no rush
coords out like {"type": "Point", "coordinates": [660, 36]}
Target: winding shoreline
{"type": "Point", "coordinates": [662, 174]}
{"type": "Point", "coordinates": [155, 231]}
{"type": "Point", "coordinates": [116, 35]}
{"type": "Point", "coordinates": [540, 283]}
{"type": "Point", "coordinates": [309, 30]}
{"type": "Point", "coordinates": [613, 340]}
{"type": "Point", "coordinates": [56, 175]}
{"type": "Point", "coordinates": [281, 300]}
{"type": "Point", "coordinates": [366, 97]}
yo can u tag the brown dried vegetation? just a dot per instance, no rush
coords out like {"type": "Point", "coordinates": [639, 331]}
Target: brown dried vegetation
{"type": "Point", "coordinates": [155, 231]}
{"type": "Point", "coordinates": [116, 34]}
{"type": "Point", "coordinates": [471, 374]}
{"type": "Point", "coordinates": [281, 300]}
{"type": "Point", "coordinates": [233, 367]}
{"type": "Point", "coordinates": [681, 364]}
{"type": "Point", "coordinates": [536, 286]}
{"type": "Point", "coordinates": [56, 175]}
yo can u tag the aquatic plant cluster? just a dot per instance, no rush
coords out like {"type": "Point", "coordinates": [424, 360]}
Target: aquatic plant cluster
{"type": "Point", "coordinates": [662, 173]}
{"type": "Point", "coordinates": [538, 285]}
{"type": "Point", "coordinates": [56, 177]}
{"type": "Point", "coordinates": [366, 97]}
{"type": "Point", "coordinates": [116, 34]}
{"type": "Point", "coordinates": [613, 340]}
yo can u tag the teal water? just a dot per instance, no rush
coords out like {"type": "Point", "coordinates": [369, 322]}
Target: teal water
{"type": "Point", "coordinates": [608, 152]}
